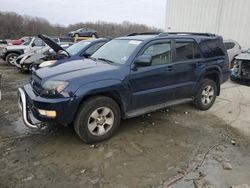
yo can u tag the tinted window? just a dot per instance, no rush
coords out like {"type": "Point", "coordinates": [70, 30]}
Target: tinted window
{"type": "Point", "coordinates": [92, 49]}
{"type": "Point", "coordinates": [212, 48]}
{"type": "Point", "coordinates": [186, 51]}
{"type": "Point", "coordinates": [229, 45]}
{"type": "Point", "coordinates": [161, 53]}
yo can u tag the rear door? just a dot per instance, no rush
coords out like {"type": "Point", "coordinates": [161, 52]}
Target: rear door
{"type": "Point", "coordinates": [153, 84]}
{"type": "Point", "coordinates": [188, 64]}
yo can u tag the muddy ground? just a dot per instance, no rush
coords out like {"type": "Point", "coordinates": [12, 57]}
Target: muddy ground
{"type": "Point", "coordinates": [148, 151]}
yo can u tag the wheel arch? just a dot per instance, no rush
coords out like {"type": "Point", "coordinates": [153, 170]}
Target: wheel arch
{"type": "Point", "coordinates": [215, 75]}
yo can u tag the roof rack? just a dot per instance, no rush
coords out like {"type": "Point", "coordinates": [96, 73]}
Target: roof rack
{"type": "Point", "coordinates": [146, 33]}
{"type": "Point", "coordinates": [186, 33]}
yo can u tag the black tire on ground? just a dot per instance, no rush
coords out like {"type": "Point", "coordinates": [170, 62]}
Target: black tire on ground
{"type": "Point", "coordinates": [76, 35]}
{"type": "Point", "coordinates": [85, 117]}
{"type": "Point", "coordinates": [204, 98]}
{"type": "Point", "coordinates": [10, 57]}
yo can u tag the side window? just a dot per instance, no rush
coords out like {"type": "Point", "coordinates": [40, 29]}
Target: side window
{"type": "Point", "coordinates": [186, 51]}
{"type": "Point", "coordinates": [94, 48]}
{"type": "Point", "coordinates": [212, 48]}
{"type": "Point", "coordinates": [161, 53]}
{"type": "Point", "coordinates": [229, 45]}
{"type": "Point", "coordinates": [38, 42]}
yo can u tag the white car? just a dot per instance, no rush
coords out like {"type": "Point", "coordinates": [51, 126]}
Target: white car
{"type": "Point", "coordinates": [233, 49]}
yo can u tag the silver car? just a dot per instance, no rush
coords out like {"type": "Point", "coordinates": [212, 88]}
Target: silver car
{"type": "Point", "coordinates": [233, 49]}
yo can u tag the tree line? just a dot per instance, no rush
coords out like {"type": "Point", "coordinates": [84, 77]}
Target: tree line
{"type": "Point", "coordinates": [13, 26]}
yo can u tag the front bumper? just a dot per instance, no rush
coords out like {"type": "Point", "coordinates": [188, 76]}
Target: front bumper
{"type": "Point", "coordinates": [29, 103]}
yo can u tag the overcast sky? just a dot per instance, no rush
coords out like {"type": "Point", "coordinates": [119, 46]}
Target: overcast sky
{"type": "Point", "coordinates": [149, 12]}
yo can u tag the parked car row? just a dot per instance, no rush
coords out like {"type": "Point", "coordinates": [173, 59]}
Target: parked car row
{"type": "Point", "coordinates": [10, 53]}
{"type": "Point", "coordinates": [125, 77]}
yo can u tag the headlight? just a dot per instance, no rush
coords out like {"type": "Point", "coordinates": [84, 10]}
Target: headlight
{"type": "Point", "coordinates": [4, 50]}
{"type": "Point", "coordinates": [54, 87]}
{"type": "Point", "coordinates": [47, 63]}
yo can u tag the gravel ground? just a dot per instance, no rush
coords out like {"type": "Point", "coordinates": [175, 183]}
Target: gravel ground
{"type": "Point", "coordinates": [147, 151]}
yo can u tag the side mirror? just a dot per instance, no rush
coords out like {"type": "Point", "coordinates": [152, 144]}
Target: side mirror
{"type": "Point", "coordinates": [32, 44]}
{"type": "Point", "coordinates": [143, 61]}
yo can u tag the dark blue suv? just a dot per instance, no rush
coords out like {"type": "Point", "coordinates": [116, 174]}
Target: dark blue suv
{"type": "Point", "coordinates": [126, 77]}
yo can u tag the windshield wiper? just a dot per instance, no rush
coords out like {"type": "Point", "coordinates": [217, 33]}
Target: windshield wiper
{"type": "Point", "coordinates": [106, 60]}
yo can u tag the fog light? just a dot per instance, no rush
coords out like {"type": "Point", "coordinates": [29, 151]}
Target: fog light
{"type": "Point", "coordinates": [50, 114]}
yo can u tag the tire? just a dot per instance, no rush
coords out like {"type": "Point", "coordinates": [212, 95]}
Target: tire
{"type": "Point", "coordinates": [93, 35]}
{"type": "Point", "coordinates": [206, 94]}
{"type": "Point", "coordinates": [76, 35]}
{"type": "Point", "coordinates": [97, 119]}
{"type": "Point", "coordinates": [11, 57]}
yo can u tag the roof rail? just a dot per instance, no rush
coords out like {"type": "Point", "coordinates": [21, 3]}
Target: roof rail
{"type": "Point", "coordinates": [146, 33]}
{"type": "Point", "coordinates": [186, 33]}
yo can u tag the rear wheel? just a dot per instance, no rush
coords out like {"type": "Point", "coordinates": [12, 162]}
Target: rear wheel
{"type": "Point", "coordinates": [98, 118]}
{"type": "Point", "coordinates": [11, 58]}
{"type": "Point", "coordinates": [206, 94]}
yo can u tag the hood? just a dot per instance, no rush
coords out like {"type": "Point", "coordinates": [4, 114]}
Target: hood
{"type": "Point", "coordinates": [243, 56]}
{"type": "Point", "coordinates": [51, 43]}
{"type": "Point", "coordinates": [73, 69]}
{"type": "Point", "coordinates": [79, 72]}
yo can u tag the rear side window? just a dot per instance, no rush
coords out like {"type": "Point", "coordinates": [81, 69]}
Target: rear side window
{"type": "Point", "coordinates": [229, 45]}
{"type": "Point", "coordinates": [161, 53]}
{"type": "Point", "coordinates": [186, 51]}
{"type": "Point", "coordinates": [212, 48]}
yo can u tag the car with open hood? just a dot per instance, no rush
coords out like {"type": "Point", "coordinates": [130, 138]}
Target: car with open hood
{"type": "Point", "coordinates": [241, 69]}
{"type": "Point", "coordinates": [82, 49]}
{"type": "Point", "coordinates": [25, 61]}
{"type": "Point", "coordinates": [126, 77]}
{"type": "Point", "coordinates": [11, 52]}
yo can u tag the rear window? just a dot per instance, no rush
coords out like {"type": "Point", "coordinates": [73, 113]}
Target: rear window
{"type": "Point", "coordinates": [229, 45]}
{"type": "Point", "coordinates": [212, 48]}
{"type": "Point", "coordinates": [186, 51]}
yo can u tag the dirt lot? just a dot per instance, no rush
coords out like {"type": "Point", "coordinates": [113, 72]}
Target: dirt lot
{"type": "Point", "coordinates": [147, 151]}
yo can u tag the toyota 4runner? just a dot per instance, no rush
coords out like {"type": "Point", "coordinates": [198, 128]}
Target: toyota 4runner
{"type": "Point", "coordinates": [127, 77]}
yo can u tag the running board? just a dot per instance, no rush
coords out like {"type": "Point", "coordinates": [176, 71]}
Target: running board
{"type": "Point", "coordinates": [149, 109]}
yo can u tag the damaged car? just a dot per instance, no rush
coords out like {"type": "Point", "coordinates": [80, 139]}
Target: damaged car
{"type": "Point", "coordinates": [82, 49]}
{"type": "Point", "coordinates": [25, 62]}
{"type": "Point", "coordinates": [241, 69]}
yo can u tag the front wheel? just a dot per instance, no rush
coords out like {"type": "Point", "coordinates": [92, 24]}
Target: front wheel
{"type": "Point", "coordinates": [97, 119]}
{"type": "Point", "coordinates": [76, 35]}
{"type": "Point", "coordinates": [206, 94]}
{"type": "Point", "coordinates": [11, 58]}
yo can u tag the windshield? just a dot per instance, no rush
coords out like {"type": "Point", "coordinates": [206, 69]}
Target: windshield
{"type": "Point", "coordinates": [117, 51]}
{"type": "Point", "coordinates": [76, 48]}
{"type": "Point", "coordinates": [248, 51]}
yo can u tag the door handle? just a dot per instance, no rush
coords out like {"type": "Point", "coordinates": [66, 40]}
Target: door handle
{"type": "Point", "coordinates": [198, 64]}
{"type": "Point", "coordinates": [169, 68]}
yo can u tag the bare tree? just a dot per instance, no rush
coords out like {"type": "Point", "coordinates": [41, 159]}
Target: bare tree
{"type": "Point", "coordinates": [13, 25]}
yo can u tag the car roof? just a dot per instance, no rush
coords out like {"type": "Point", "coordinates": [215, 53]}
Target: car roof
{"type": "Point", "coordinates": [145, 36]}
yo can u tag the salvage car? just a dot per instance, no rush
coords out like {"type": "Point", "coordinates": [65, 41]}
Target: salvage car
{"type": "Point", "coordinates": [11, 52]}
{"type": "Point", "coordinates": [77, 51]}
{"type": "Point", "coordinates": [25, 62]}
{"type": "Point", "coordinates": [83, 32]}
{"type": "Point", "coordinates": [127, 77]}
{"type": "Point", "coordinates": [233, 49]}
{"type": "Point", "coordinates": [241, 69]}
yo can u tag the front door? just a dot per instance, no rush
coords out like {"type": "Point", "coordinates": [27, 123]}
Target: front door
{"type": "Point", "coordinates": [153, 84]}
